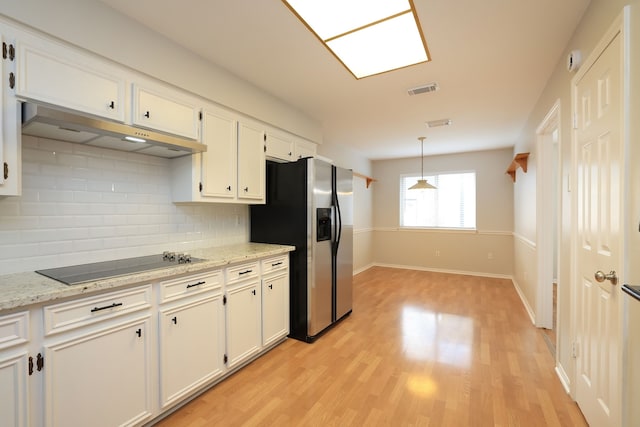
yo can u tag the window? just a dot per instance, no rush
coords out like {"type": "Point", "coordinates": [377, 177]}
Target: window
{"type": "Point", "coordinates": [451, 205]}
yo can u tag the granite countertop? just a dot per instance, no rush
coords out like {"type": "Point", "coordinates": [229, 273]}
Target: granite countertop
{"type": "Point", "coordinates": [21, 290]}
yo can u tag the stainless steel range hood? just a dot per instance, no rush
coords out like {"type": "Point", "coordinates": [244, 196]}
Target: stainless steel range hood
{"type": "Point", "coordinates": [47, 122]}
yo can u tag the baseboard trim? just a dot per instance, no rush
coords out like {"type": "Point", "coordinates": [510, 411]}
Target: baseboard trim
{"type": "Point", "coordinates": [363, 269]}
{"type": "Point", "coordinates": [525, 303]}
{"type": "Point", "coordinates": [440, 270]}
{"type": "Point", "coordinates": [564, 378]}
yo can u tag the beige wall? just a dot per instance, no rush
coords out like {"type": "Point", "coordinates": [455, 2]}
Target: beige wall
{"type": "Point", "coordinates": [460, 251]}
{"type": "Point", "coordinates": [597, 19]}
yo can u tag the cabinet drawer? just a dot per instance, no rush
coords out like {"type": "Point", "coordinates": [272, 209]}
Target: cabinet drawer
{"type": "Point", "coordinates": [278, 263]}
{"type": "Point", "coordinates": [242, 272]}
{"type": "Point", "coordinates": [171, 290]}
{"type": "Point", "coordinates": [14, 329]}
{"type": "Point", "coordinates": [86, 311]}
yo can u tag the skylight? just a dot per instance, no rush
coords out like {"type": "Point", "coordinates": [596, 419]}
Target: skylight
{"type": "Point", "coordinates": [367, 36]}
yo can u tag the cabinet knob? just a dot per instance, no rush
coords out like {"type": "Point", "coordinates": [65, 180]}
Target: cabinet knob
{"type": "Point", "coordinates": [175, 320]}
{"type": "Point", "coordinates": [253, 291]}
{"type": "Point", "coordinates": [270, 286]}
{"type": "Point", "coordinates": [112, 105]}
{"type": "Point", "coordinates": [246, 189]}
{"type": "Point", "coordinates": [139, 332]}
{"type": "Point", "coordinates": [228, 188]}
{"type": "Point", "coordinates": [147, 114]}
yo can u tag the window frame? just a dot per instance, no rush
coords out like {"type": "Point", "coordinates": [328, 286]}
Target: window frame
{"type": "Point", "coordinates": [429, 176]}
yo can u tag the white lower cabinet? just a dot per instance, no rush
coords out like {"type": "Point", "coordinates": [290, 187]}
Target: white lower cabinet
{"type": "Point", "coordinates": [124, 358]}
{"type": "Point", "coordinates": [98, 372]}
{"type": "Point", "coordinates": [275, 299]}
{"type": "Point", "coordinates": [14, 400]}
{"type": "Point", "coordinates": [243, 322]}
{"type": "Point", "coordinates": [191, 337]}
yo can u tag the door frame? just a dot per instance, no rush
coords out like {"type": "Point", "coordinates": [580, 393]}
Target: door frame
{"type": "Point", "coordinates": [548, 209]}
{"type": "Point", "coordinates": [620, 25]}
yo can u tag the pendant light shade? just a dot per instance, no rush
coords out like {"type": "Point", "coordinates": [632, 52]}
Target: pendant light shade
{"type": "Point", "coordinates": [422, 184]}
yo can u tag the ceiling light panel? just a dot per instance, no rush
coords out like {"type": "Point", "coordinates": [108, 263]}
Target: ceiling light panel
{"type": "Point", "coordinates": [368, 37]}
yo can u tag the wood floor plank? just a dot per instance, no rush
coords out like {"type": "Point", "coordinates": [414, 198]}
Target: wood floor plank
{"type": "Point", "coordinates": [420, 349]}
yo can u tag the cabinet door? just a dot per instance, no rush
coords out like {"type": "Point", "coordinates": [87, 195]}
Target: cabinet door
{"type": "Point", "coordinates": [275, 308]}
{"type": "Point", "coordinates": [13, 389]}
{"type": "Point", "coordinates": [56, 75]}
{"type": "Point", "coordinates": [99, 379]}
{"type": "Point", "coordinates": [278, 147]}
{"type": "Point", "coordinates": [219, 162]}
{"type": "Point", "coordinates": [251, 162]}
{"type": "Point", "coordinates": [305, 149]}
{"type": "Point", "coordinates": [243, 322]}
{"type": "Point", "coordinates": [165, 112]}
{"type": "Point", "coordinates": [191, 347]}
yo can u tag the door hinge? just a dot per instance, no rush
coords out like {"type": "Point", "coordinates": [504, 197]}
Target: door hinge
{"type": "Point", "coordinates": [4, 50]}
{"type": "Point", "coordinates": [12, 52]}
{"type": "Point", "coordinates": [224, 300]}
{"type": "Point", "coordinates": [6, 170]}
{"type": "Point", "coordinates": [200, 187]}
{"type": "Point", "coordinates": [265, 148]}
{"type": "Point", "coordinates": [200, 115]}
{"type": "Point", "coordinates": [225, 358]}
{"type": "Point", "coordinates": [30, 365]}
{"type": "Point", "coordinates": [12, 80]}
{"type": "Point", "coordinates": [575, 350]}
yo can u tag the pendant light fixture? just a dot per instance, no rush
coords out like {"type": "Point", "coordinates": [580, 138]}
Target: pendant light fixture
{"type": "Point", "coordinates": [422, 184]}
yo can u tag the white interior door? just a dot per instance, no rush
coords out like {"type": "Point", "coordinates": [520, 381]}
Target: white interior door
{"type": "Point", "coordinates": [599, 238]}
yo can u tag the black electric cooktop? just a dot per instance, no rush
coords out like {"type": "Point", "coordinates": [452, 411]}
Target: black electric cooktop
{"type": "Point", "coordinates": [77, 274]}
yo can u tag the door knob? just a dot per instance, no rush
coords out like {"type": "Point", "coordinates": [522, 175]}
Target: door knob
{"type": "Point", "coordinates": [601, 277]}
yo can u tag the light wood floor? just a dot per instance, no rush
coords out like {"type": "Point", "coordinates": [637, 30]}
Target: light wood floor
{"type": "Point", "coordinates": [419, 349]}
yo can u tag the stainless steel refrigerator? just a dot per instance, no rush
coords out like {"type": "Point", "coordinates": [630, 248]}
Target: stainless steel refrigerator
{"type": "Point", "coordinates": [310, 206]}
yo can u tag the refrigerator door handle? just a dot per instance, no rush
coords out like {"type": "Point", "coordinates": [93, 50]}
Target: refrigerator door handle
{"type": "Point", "coordinates": [338, 222]}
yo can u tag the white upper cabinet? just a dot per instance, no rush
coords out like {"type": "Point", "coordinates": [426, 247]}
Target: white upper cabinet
{"type": "Point", "coordinates": [279, 147]}
{"type": "Point", "coordinates": [219, 162]}
{"type": "Point", "coordinates": [304, 149]}
{"type": "Point", "coordinates": [165, 110]}
{"type": "Point", "coordinates": [251, 161]}
{"type": "Point", "coordinates": [51, 73]}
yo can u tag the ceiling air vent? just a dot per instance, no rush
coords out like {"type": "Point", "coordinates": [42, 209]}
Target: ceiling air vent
{"type": "Point", "coordinates": [431, 87]}
{"type": "Point", "coordinates": [436, 123]}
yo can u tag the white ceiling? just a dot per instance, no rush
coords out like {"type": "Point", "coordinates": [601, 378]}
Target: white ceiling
{"type": "Point", "coordinates": [491, 59]}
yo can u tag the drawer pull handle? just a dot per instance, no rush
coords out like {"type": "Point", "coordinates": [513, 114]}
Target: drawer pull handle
{"type": "Point", "coordinates": [276, 264]}
{"type": "Point", "coordinates": [244, 272]}
{"type": "Point", "coordinates": [195, 284]}
{"type": "Point", "coordinates": [115, 304]}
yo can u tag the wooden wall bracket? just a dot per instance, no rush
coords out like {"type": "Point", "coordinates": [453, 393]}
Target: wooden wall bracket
{"type": "Point", "coordinates": [519, 161]}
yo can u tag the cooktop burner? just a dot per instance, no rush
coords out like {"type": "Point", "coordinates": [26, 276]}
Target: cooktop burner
{"type": "Point", "coordinates": [77, 274]}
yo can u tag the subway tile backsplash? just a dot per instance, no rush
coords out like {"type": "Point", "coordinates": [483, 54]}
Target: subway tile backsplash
{"type": "Point", "coordinates": [86, 204]}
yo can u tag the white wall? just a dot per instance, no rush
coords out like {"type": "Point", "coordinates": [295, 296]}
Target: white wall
{"type": "Point", "coordinates": [85, 204]}
{"type": "Point", "coordinates": [597, 19]}
{"type": "Point", "coordinates": [459, 251]}
{"type": "Point", "coordinates": [24, 222]}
